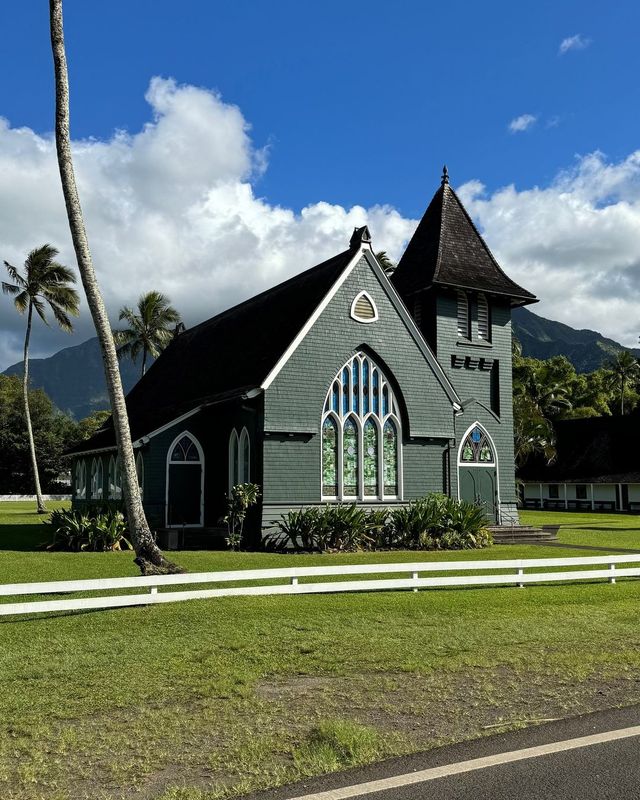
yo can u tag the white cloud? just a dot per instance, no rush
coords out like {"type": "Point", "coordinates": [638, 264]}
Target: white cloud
{"type": "Point", "coordinates": [171, 207]}
{"type": "Point", "coordinates": [522, 123]}
{"type": "Point", "coordinates": [576, 42]}
{"type": "Point", "coordinates": [575, 243]}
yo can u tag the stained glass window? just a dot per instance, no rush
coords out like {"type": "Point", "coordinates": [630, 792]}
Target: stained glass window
{"type": "Point", "coordinates": [370, 458]}
{"type": "Point", "coordinates": [360, 451]}
{"type": "Point", "coordinates": [185, 450]}
{"type": "Point", "coordinates": [477, 448]}
{"type": "Point", "coordinates": [390, 450]}
{"type": "Point", "coordinates": [330, 458]}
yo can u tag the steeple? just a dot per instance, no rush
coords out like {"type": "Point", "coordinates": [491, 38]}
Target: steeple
{"type": "Point", "coordinates": [447, 250]}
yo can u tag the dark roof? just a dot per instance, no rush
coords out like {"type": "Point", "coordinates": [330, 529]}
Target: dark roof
{"type": "Point", "coordinates": [593, 450]}
{"type": "Point", "coordinates": [227, 355]}
{"type": "Point", "coordinates": [448, 250]}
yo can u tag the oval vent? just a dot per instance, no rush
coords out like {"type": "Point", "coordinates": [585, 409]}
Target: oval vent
{"type": "Point", "coordinates": [363, 309]}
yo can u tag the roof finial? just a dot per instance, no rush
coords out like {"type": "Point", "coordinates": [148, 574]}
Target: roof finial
{"type": "Point", "coordinates": [445, 175]}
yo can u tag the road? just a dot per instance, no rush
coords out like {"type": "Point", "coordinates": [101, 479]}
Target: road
{"type": "Point", "coordinates": [592, 757]}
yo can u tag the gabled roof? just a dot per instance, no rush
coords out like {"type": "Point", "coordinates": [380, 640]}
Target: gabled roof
{"type": "Point", "coordinates": [227, 355]}
{"type": "Point", "coordinates": [447, 250]}
{"type": "Point", "coordinates": [592, 450]}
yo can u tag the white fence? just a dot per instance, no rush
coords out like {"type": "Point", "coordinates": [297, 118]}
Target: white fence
{"type": "Point", "coordinates": [502, 572]}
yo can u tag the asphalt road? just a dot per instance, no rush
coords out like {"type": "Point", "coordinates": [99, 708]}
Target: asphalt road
{"type": "Point", "coordinates": [607, 769]}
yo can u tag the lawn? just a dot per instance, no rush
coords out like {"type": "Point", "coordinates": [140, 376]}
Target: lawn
{"type": "Point", "coordinates": [209, 698]}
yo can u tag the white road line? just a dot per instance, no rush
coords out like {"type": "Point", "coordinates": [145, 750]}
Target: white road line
{"type": "Point", "coordinates": [421, 776]}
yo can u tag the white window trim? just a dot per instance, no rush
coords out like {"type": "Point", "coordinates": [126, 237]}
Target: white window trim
{"type": "Point", "coordinates": [360, 420]}
{"type": "Point", "coordinates": [494, 463]}
{"type": "Point", "coordinates": [366, 295]}
{"type": "Point", "coordinates": [244, 437]}
{"type": "Point", "coordinates": [97, 470]}
{"type": "Point", "coordinates": [199, 463]}
{"type": "Point", "coordinates": [234, 446]}
{"type": "Point", "coordinates": [81, 480]}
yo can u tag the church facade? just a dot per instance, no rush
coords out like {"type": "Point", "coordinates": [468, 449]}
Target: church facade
{"type": "Point", "coordinates": [340, 385]}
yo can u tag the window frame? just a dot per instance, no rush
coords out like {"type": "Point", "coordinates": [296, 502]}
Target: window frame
{"type": "Point", "coordinates": [463, 326]}
{"type": "Point", "coordinates": [97, 479]}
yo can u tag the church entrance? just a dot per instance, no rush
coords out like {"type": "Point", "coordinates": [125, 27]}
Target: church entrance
{"type": "Point", "coordinates": [185, 471]}
{"type": "Point", "coordinates": [478, 472]}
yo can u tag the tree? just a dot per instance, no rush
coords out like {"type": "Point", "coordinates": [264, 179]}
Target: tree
{"type": "Point", "coordinates": [149, 331]}
{"type": "Point", "coordinates": [624, 372]}
{"type": "Point", "coordinates": [385, 262]}
{"type": "Point", "coordinates": [45, 283]}
{"type": "Point", "coordinates": [148, 556]}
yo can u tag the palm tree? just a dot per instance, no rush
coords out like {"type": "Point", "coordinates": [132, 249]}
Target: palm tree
{"type": "Point", "coordinates": [623, 371]}
{"type": "Point", "coordinates": [386, 263]}
{"type": "Point", "coordinates": [149, 331]}
{"type": "Point", "coordinates": [148, 556]}
{"type": "Point", "coordinates": [45, 283]}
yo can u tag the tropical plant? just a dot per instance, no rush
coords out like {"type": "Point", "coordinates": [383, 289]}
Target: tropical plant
{"type": "Point", "coordinates": [385, 262]}
{"type": "Point", "coordinates": [45, 284]}
{"type": "Point", "coordinates": [298, 529]}
{"type": "Point", "coordinates": [624, 372]}
{"type": "Point", "coordinates": [240, 500]}
{"type": "Point", "coordinates": [149, 557]}
{"type": "Point", "coordinates": [97, 530]}
{"type": "Point", "coordinates": [149, 331]}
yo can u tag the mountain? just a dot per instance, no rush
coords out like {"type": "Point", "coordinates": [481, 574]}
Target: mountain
{"type": "Point", "coordinates": [542, 338]}
{"type": "Point", "coordinates": [74, 378]}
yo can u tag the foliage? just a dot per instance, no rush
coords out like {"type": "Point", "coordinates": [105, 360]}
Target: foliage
{"type": "Point", "coordinates": [149, 330]}
{"type": "Point", "coordinates": [624, 373]}
{"type": "Point", "coordinates": [240, 500]}
{"type": "Point", "coordinates": [96, 530]}
{"type": "Point", "coordinates": [336, 744]}
{"type": "Point", "coordinates": [430, 523]}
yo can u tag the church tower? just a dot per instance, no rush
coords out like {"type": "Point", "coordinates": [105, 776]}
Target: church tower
{"type": "Point", "coordinates": [461, 300]}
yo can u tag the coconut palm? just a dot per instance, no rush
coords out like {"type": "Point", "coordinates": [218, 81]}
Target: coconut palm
{"type": "Point", "coordinates": [44, 284]}
{"type": "Point", "coordinates": [624, 371]}
{"type": "Point", "coordinates": [148, 556]}
{"type": "Point", "coordinates": [149, 331]}
{"type": "Point", "coordinates": [385, 262]}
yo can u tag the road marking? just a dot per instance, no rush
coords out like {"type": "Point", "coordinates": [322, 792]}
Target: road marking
{"type": "Point", "coordinates": [423, 775]}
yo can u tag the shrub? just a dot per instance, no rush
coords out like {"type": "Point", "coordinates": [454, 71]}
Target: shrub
{"type": "Point", "coordinates": [297, 529]}
{"type": "Point", "coordinates": [240, 500]}
{"type": "Point", "coordinates": [98, 531]}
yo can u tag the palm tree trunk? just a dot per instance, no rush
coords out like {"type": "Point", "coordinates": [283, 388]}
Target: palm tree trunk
{"type": "Point", "coordinates": [41, 508]}
{"type": "Point", "coordinates": [144, 361]}
{"type": "Point", "coordinates": [148, 556]}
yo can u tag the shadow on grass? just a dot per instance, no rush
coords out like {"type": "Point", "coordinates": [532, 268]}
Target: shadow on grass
{"type": "Point", "coordinates": [24, 538]}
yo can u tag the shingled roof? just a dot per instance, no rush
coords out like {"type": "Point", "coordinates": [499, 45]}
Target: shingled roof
{"type": "Point", "coordinates": [592, 450]}
{"type": "Point", "coordinates": [227, 355]}
{"type": "Point", "coordinates": [447, 250]}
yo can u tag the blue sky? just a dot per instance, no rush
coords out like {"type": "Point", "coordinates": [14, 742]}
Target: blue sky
{"type": "Point", "coordinates": [351, 104]}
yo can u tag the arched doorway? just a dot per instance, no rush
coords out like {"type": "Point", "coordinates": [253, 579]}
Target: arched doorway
{"type": "Point", "coordinates": [478, 471]}
{"type": "Point", "coordinates": [185, 483]}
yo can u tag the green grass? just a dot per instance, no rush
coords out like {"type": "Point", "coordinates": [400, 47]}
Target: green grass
{"type": "Point", "coordinates": [594, 529]}
{"type": "Point", "coordinates": [208, 698]}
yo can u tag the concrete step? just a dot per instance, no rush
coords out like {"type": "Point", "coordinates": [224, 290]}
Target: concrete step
{"type": "Point", "coordinates": [523, 534]}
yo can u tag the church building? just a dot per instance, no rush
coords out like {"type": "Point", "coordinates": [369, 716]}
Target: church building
{"type": "Point", "coordinates": [341, 384]}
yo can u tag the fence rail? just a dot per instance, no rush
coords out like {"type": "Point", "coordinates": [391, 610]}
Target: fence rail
{"type": "Point", "coordinates": [497, 570]}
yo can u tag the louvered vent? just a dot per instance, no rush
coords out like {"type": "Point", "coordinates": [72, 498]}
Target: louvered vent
{"type": "Point", "coordinates": [463, 315]}
{"type": "Point", "coordinates": [483, 318]}
{"type": "Point", "coordinates": [363, 308]}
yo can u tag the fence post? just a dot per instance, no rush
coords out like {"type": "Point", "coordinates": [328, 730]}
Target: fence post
{"type": "Point", "coordinates": [520, 585]}
{"type": "Point", "coordinates": [415, 577]}
{"type": "Point", "coordinates": [294, 581]}
{"type": "Point", "coordinates": [153, 590]}
{"type": "Point", "coordinates": [612, 571]}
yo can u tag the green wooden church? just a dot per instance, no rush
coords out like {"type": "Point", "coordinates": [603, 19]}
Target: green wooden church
{"type": "Point", "coordinates": [341, 384]}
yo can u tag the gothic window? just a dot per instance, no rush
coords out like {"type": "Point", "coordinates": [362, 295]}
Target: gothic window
{"type": "Point", "coordinates": [115, 479]}
{"type": "Point", "coordinates": [463, 315]}
{"type": "Point", "coordinates": [96, 479]}
{"type": "Point", "coordinates": [363, 309]}
{"type": "Point", "coordinates": [239, 458]}
{"type": "Point", "coordinates": [81, 480]}
{"type": "Point", "coordinates": [361, 456]}
{"type": "Point", "coordinates": [185, 450]}
{"type": "Point", "coordinates": [477, 448]}
{"type": "Point", "coordinates": [484, 323]}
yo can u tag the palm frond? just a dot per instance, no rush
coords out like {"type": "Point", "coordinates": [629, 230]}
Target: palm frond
{"type": "Point", "coordinates": [15, 275]}
{"type": "Point", "coordinates": [10, 288]}
{"type": "Point", "coordinates": [40, 309]}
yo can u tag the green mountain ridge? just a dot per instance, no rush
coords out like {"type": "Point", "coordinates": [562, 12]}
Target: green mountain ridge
{"type": "Point", "coordinates": [74, 379]}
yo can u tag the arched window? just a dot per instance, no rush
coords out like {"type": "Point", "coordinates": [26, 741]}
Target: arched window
{"type": "Point", "coordinates": [97, 479]}
{"type": "Point", "coordinates": [477, 448]}
{"type": "Point", "coordinates": [463, 315]}
{"type": "Point", "coordinates": [239, 458]}
{"type": "Point", "coordinates": [363, 308]}
{"type": "Point", "coordinates": [140, 473]}
{"type": "Point", "coordinates": [81, 480]}
{"type": "Point", "coordinates": [361, 456]}
{"type": "Point", "coordinates": [185, 449]}
{"type": "Point", "coordinates": [484, 322]}
{"type": "Point", "coordinates": [115, 479]}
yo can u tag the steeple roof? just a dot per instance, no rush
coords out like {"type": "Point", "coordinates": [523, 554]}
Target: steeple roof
{"type": "Point", "coordinates": [447, 250]}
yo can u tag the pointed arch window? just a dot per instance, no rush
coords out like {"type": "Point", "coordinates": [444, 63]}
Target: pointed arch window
{"type": "Point", "coordinates": [363, 308]}
{"type": "Point", "coordinates": [115, 479]}
{"type": "Point", "coordinates": [97, 478]}
{"type": "Point", "coordinates": [477, 448]}
{"type": "Point", "coordinates": [81, 480]}
{"type": "Point", "coordinates": [463, 316]}
{"type": "Point", "coordinates": [361, 451]}
{"type": "Point", "coordinates": [239, 458]}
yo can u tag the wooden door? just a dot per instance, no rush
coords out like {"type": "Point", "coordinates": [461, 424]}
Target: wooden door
{"type": "Point", "coordinates": [478, 486]}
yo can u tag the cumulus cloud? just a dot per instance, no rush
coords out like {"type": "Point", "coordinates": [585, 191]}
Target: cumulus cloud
{"type": "Point", "coordinates": [576, 42]}
{"type": "Point", "coordinates": [171, 207]}
{"type": "Point", "coordinates": [575, 243]}
{"type": "Point", "coordinates": [522, 123]}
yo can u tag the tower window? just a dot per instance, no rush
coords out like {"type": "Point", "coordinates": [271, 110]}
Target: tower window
{"type": "Point", "coordinates": [484, 321]}
{"type": "Point", "coordinates": [463, 315]}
